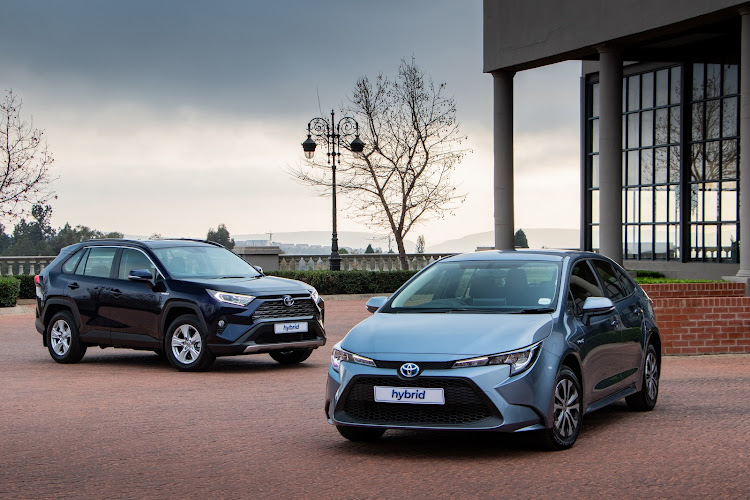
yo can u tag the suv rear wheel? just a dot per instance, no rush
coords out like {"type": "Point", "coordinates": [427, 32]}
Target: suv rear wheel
{"type": "Point", "coordinates": [185, 345]}
{"type": "Point", "coordinates": [63, 342]}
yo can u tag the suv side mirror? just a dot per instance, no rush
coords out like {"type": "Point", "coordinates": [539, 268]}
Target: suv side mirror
{"type": "Point", "coordinates": [375, 303]}
{"type": "Point", "coordinates": [141, 275]}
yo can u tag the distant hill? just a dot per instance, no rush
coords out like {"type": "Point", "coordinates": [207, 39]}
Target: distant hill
{"type": "Point", "coordinates": [350, 239]}
{"type": "Point", "coordinates": [537, 238]}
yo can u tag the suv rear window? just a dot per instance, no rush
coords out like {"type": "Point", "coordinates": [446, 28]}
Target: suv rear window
{"type": "Point", "coordinates": [70, 265]}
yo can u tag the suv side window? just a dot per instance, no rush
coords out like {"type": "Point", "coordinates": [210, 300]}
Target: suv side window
{"type": "Point", "coordinates": [612, 284]}
{"type": "Point", "coordinates": [131, 259]}
{"type": "Point", "coordinates": [583, 284]}
{"type": "Point", "coordinates": [99, 262]}
{"type": "Point", "coordinates": [70, 265]}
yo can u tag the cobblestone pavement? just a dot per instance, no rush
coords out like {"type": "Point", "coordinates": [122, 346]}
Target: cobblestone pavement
{"type": "Point", "coordinates": [125, 424]}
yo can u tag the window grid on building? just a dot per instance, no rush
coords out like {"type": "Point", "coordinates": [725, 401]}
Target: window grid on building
{"type": "Point", "coordinates": [654, 175]}
{"type": "Point", "coordinates": [713, 181]}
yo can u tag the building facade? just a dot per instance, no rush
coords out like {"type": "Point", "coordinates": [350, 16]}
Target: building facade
{"type": "Point", "coordinates": [661, 123]}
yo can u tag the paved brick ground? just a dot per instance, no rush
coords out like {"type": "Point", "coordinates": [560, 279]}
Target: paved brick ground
{"type": "Point", "coordinates": [123, 424]}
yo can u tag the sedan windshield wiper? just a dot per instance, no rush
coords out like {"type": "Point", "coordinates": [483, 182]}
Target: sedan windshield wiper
{"type": "Point", "coordinates": [534, 310]}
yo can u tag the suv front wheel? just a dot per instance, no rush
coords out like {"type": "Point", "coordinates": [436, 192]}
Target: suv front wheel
{"type": "Point", "coordinates": [62, 339]}
{"type": "Point", "coordinates": [185, 345]}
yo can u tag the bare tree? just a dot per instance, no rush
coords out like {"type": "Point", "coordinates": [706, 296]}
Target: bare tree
{"type": "Point", "coordinates": [25, 161]}
{"type": "Point", "coordinates": [413, 143]}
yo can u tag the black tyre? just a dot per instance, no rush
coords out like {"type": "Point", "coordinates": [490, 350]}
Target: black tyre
{"type": "Point", "coordinates": [291, 357]}
{"type": "Point", "coordinates": [185, 345]}
{"type": "Point", "coordinates": [567, 412]}
{"type": "Point", "coordinates": [360, 434]}
{"type": "Point", "coordinates": [63, 342]}
{"type": "Point", "coordinates": [645, 399]}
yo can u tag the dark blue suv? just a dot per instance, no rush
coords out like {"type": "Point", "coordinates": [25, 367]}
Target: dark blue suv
{"type": "Point", "coordinates": [188, 300]}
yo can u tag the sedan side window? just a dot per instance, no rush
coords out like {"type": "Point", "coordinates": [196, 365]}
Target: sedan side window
{"type": "Point", "coordinates": [583, 285]}
{"type": "Point", "coordinates": [99, 262]}
{"type": "Point", "coordinates": [612, 284]}
{"type": "Point", "coordinates": [131, 259]}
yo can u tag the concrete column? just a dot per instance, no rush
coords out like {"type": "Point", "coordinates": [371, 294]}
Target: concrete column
{"type": "Point", "coordinates": [503, 138]}
{"type": "Point", "coordinates": [610, 153]}
{"type": "Point", "coordinates": [744, 214]}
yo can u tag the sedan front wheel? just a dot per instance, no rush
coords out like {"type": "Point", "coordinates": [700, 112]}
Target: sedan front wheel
{"type": "Point", "coordinates": [567, 414]}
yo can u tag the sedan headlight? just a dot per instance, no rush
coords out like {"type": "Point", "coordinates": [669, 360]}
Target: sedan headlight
{"type": "Point", "coordinates": [235, 299]}
{"type": "Point", "coordinates": [339, 355]}
{"type": "Point", "coordinates": [519, 360]}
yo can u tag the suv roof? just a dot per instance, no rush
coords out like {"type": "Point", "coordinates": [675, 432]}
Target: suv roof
{"type": "Point", "coordinates": [171, 242]}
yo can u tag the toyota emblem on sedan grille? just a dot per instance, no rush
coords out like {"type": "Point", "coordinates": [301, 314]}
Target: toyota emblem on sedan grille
{"type": "Point", "coordinates": [288, 301]}
{"type": "Point", "coordinates": [409, 370]}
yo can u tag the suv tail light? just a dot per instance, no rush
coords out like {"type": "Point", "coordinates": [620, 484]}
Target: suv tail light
{"type": "Point", "coordinates": [37, 280]}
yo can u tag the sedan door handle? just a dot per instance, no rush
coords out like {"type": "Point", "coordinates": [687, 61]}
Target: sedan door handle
{"type": "Point", "coordinates": [73, 286]}
{"type": "Point", "coordinates": [580, 341]}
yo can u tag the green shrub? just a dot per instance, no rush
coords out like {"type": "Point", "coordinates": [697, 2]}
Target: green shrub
{"type": "Point", "coordinates": [28, 289]}
{"type": "Point", "coordinates": [644, 281]}
{"type": "Point", "coordinates": [649, 274]}
{"type": "Point", "coordinates": [9, 287]}
{"type": "Point", "coordinates": [349, 282]}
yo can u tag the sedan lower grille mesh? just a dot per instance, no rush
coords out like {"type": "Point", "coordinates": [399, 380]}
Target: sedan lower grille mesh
{"type": "Point", "coordinates": [275, 309]}
{"type": "Point", "coordinates": [464, 404]}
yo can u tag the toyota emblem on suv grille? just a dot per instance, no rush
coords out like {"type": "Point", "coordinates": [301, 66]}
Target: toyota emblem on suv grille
{"type": "Point", "coordinates": [409, 370]}
{"type": "Point", "coordinates": [288, 301]}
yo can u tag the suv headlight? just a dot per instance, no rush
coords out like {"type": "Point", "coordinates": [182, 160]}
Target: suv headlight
{"type": "Point", "coordinates": [519, 360]}
{"type": "Point", "coordinates": [235, 299]}
{"type": "Point", "coordinates": [314, 295]}
{"type": "Point", "coordinates": [339, 355]}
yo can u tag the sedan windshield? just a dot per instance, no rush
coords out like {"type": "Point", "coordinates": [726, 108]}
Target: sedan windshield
{"type": "Point", "coordinates": [481, 287]}
{"type": "Point", "coordinates": [204, 262]}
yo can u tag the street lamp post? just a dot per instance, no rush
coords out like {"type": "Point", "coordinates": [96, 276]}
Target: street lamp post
{"type": "Point", "coordinates": [333, 133]}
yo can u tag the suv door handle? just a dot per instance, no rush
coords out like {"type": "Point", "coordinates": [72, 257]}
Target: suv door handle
{"type": "Point", "coordinates": [615, 322]}
{"type": "Point", "coordinates": [116, 293]}
{"type": "Point", "coordinates": [73, 286]}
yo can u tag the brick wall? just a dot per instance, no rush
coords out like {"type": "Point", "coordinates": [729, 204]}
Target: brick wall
{"type": "Point", "coordinates": [672, 290]}
{"type": "Point", "coordinates": [702, 318]}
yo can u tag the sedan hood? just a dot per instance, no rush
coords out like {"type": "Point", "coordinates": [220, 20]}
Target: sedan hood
{"type": "Point", "coordinates": [264, 285]}
{"type": "Point", "coordinates": [394, 337]}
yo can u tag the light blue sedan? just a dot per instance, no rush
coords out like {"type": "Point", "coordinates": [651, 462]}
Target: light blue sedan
{"type": "Point", "coordinates": [508, 341]}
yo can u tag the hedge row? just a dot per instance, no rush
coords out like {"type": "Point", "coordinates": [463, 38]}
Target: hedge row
{"type": "Point", "coordinates": [9, 288]}
{"type": "Point", "coordinates": [349, 282]}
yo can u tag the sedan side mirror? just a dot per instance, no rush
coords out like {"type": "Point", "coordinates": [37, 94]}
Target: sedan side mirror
{"type": "Point", "coordinates": [375, 303]}
{"type": "Point", "coordinates": [596, 306]}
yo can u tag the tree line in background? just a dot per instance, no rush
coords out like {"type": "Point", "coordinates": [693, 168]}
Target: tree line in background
{"type": "Point", "coordinates": [37, 236]}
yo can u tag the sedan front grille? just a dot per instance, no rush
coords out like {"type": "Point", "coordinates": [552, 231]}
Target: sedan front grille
{"type": "Point", "coordinates": [464, 403]}
{"type": "Point", "coordinates": [275, 309]}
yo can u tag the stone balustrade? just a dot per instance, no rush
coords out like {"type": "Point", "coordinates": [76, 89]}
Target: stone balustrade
{"type": "Point", "coordinates": [10, 266]}
{"type": "Point", "coordinates": [362, 262]}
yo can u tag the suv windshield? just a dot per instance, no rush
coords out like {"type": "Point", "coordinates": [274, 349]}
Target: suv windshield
{"type": "Point", "coordinates": [482, 286]}
{"type": "Point", "coordinates": [204, 262]}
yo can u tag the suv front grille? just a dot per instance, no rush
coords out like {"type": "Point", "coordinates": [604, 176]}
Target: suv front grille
{"type": "Point", "coordinates": [464, 404]}
{"type": "Point", "coordinates": [275, 309]}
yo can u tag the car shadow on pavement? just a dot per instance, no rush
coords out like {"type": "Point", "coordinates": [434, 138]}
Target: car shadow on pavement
{"type": "Point", "coordinates": [122, 359]}
{"type": "Point", "coordinates": [469, 444]}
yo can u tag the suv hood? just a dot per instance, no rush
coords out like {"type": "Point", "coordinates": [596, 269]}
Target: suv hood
{"type": "Point", "coordinates": [420, 337]}
{"type": "Point", "coordinates": [264, 285]}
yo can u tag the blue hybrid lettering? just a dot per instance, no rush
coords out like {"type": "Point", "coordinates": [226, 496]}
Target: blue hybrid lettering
{"type": "Point", "coordinates": [406, 394]}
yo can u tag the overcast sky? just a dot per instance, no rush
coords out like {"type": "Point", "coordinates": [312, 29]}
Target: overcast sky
{"type": "Point", "coordinates": [172, 117]}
